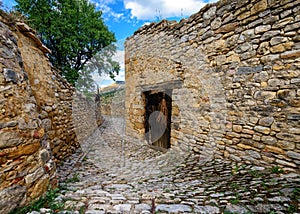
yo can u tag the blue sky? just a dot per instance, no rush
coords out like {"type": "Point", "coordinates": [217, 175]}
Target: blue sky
{"type": "Point", "coordinates": [123, 17]}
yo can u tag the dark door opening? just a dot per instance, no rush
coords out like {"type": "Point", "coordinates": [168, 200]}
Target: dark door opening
{"type": "Point", "coordinates": [158, 118]}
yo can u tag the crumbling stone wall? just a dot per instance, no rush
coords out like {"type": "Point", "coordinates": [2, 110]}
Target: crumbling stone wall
{"type": "Point", "coordinates": [86, 117]}
{"type": "Point", "coordinates": [36, 118]}
{"type": "Point", "coordinates": [53, 95]}
{"type": "Point", "coordinates": [233, 68]}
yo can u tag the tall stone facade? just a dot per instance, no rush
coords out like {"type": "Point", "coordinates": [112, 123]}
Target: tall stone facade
{"type": "Point", "coordinates": [37, 129]}
{"type": "Point", "coordinates": [232, 71]}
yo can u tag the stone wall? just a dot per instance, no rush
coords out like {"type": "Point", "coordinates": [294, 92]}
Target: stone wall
{"type": "Point", "coordinates": [86, 117]}
{"type": "Point", "coordinates": [113, 103]}
{"type": "Point", "coordinates": [233, 69]}
{"type": "Point", "coordinates": [36, 118]}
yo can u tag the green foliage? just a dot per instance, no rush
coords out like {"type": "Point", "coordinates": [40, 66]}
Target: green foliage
{"type": "Point", "coordinates": [264, 185]}
{"type": "Point", "coordinates": [167, 190]}
{"type": "Point", "coordinates": [100, 63]}
{"type": "Point", "coordinates": [106, 97]}
{"type": "Point", "coordinates": [255, 173]}
{"type": "Point", "coordinates": [296, 194]}
{"type": "Point", "coordinates": [234, 185]}
{"type": "Point", "coordinates": [277, 170]}
{"type": "Point", "coordinates": [237, 168]}
{"type": "Point", "coordinates": [108, 94]}
{"type": "Point", "coordinates": [46, 201]}
{"type": "Point", "coordinates": [292, 209]}
{"type": "Point", "coordinates": [82, 210]}
{"type": "Point", "coordinates": [74, 179]}
{"type": "Point", "coordinates": [74, 32]}
{"type": "Point", "coordinates": [236, 200]}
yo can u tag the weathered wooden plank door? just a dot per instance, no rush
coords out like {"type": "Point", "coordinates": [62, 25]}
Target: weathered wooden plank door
{"type": "Point", "coordinates": [158, 119]}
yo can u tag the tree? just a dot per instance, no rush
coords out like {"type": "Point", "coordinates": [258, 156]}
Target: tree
{"type": "Point", "coordinates": [73, 30]}
{"type": "Point", "coordinates": [101, 63]}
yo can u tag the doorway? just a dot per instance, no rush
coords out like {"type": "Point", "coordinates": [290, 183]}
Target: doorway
{"type": "Point", "coordinates": [158, 118]}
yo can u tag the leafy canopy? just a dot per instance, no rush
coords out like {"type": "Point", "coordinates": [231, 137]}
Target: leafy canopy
{"type": "Point", "coordinates": [101, 63]}
{"type": "Point", "coordinates": [74, 32]}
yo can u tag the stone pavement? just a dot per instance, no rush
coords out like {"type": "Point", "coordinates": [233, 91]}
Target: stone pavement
{"type": "Point", "coordinates": [109, 175]}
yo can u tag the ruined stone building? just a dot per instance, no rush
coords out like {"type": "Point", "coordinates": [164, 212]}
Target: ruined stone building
{"type": "Point", "coordinates": [226, 80]}
{"type": "Point", "coordinates": [223, 83]}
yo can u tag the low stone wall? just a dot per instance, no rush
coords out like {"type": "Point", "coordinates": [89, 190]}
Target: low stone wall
{"type": "Point", "coordinates": [36, 119]}
{"type": "Point", "coordinates": [233, 69]}
{"type": "Point", "coordinates": [86, 116]}
{"type": "Point", "coordinates": [113, 103]}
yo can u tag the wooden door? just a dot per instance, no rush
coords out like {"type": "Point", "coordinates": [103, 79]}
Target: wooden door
{"type": "Point", "coordinates": [158, 119]}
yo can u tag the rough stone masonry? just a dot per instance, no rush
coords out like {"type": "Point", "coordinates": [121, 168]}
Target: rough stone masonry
{"type": "Point", "coordinates": [37, 127]}
{"type": "Point", "coordinates": [233, 73]}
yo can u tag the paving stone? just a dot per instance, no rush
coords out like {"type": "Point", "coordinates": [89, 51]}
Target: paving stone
{"type": "Point", "coordinates": [151, 179]}
{"type": "Point", "coordinates": [232, 208]}
{"type": "Point", "coordinates": [173, 208]}
{"type": "Point", "coordinates": [95, 212]}
{"type": "Point", "coordinates": [206, 209]}
{"type": "Point", "coordinates": [123, 207]}
{"type": "Point", "coordinates": [142, 207]}
{"type": "Point", "coordinates": [118, 186]}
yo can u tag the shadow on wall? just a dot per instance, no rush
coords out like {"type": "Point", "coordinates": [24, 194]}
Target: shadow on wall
{"type": "Point", "coordinates": [36, 118]}
{"type": "Point", "coordinates": [239, 66]}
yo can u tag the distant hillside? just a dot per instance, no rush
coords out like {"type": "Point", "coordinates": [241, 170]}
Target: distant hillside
{"type": "Point", "coordinates": [116, 86]}
{"type": "Point", "coordinates": [112, 99]}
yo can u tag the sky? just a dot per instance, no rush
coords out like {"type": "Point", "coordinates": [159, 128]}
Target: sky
{"type": "Point", "coordinates": [124, 17]}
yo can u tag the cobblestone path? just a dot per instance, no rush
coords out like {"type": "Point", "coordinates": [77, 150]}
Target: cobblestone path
{"type": "Point", "coordinates": [116, 177]}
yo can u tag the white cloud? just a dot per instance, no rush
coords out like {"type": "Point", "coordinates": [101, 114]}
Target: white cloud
{"type": "Point", "coordinates": [146, 23]}
{"type": "Point", "coordinates": [108, 13]}
{"type": "Point", "coordinates": [149, 10]}
{"type": "Point", "coordinates": [103, 80]}
{"type": "Point", "coordinates": [119, 57]}
{"type": "Point", "coordinates": [116, 16]}
{"type": "Point", "coordinates": [121, 75]}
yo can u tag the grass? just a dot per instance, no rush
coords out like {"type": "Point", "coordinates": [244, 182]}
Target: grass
{"type": "Point", "coordinates": [296, 191]}
{"type": "Point", "coordinates": [252, 201]}
{"type": "Point", "coordinates": [46, 201]}
{"type": "Point", "coordinates": [167, 190]}
{"type": "Point", "coordinates": [82, 210]}
{"type": "Point", "coordinates": [292, 209]}
{"type": "Point", "coordinates": [277, 170]}
{"type": "Point", "coordinates": [234, 185]}
{"type": "Point", "coordinates": [236, 200]}
{"type": "Point", "coordinates": [74, 179]}
{"type": "Point", "coordinates": [238, 168]}
{"type": "Point", "coordinates": [255, 173]}
{"type": "Point", "coordinates": [264, 185]}
{"type": "Point", "coordinates": [295, 194]}
{"type": "Point", "coordinates": [161, 175]}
